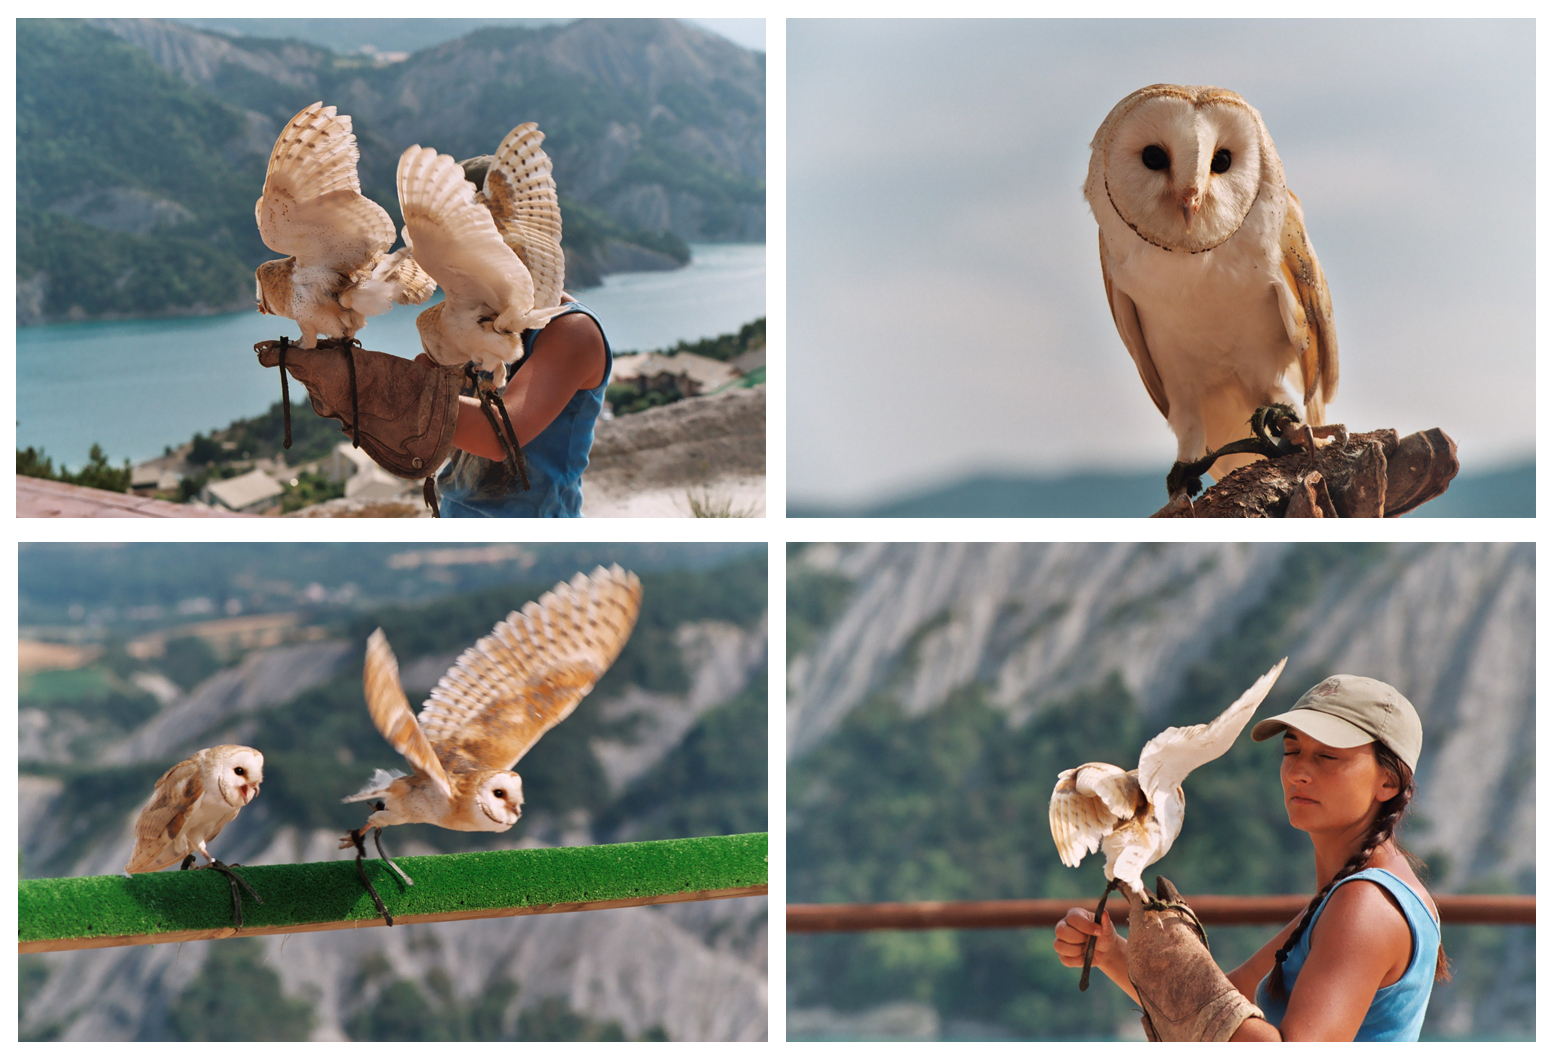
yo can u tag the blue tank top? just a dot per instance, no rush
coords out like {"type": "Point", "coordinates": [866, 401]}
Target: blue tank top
{"type": "Point", "coordinates": [472, 487]}
{"type": "Point", "coordinates": [1397, 1012]}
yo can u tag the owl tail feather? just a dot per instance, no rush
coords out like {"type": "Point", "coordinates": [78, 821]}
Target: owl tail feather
{"type": "Point", "coordinates": [377, 786]}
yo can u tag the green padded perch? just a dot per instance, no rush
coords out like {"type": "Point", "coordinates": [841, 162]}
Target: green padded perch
{"type": "Point", "coordinates": [105, 911]}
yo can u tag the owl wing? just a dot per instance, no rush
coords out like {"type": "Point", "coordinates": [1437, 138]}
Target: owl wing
{"type": "Point", "coordinates": [312, 207]}
{"type": "Point", "coordinates": [163, 817]}
{"type": "Point", "coordinates": [455, 240]}
{"type": "Point", "coordinates": [1309, 316]}
{"type": "Point", "coordinates": [1171, 756]}
{"type": "Point", "coordinates": [521, 195]}
{"type": "Point", "coordinates": [1125, 315]}
{"type": "Point", "coordinates": [1087, 804]}
{"type": "Point", "coordinates": [531, 671]}
{"type": "Point", "coordinates": [391, 713]}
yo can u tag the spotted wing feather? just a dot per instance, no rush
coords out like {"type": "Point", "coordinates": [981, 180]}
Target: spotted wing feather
{"type": "Point", "coordinates": [312, 207]}
{"type": "Point", "coordinates": [1172, 755]}
{"type": "Point", "coordinates": [455, 240]}
{"type": "Point", "coordinates": [391, 713]}
{"type": "Point", "coordinates": [520, 192]}
{"type": "Point", "coordinates": [1087, 804]}
{"type": "Point", "coordinates": [162, 819]}
{"type": "Point", "coordinates": [532, 670]}
{"type": "Point", "coordinates": [1315, 334]}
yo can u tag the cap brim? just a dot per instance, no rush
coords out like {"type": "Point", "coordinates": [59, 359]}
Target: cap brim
{"type": "Point", "coordinates": [1325, 728]}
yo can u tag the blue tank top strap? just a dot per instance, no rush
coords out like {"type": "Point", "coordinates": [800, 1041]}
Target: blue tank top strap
{"type": "Point", "coordinates": [1397, 1011]}
{"type": "Point", "coordinates": [472, 487]}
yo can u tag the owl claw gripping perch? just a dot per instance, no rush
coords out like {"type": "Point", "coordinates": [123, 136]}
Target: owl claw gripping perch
{"type": "Point", "coordinates": [488, 710]}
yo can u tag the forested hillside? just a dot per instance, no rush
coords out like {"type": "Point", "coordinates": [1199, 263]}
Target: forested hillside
{"type": "Point", "coordinates": [141, 146]}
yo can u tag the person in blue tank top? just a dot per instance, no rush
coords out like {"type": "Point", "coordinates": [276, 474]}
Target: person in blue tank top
{"type": "Point", "coordinates": [1360, 960]}
{"type": "Point", "coordinates": [553, 395]}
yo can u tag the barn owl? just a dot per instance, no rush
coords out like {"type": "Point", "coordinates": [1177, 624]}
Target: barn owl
{"type": "Point", "coordinates": [1211, 280]}
{"type": "Point", "coordinates": [192, 801]}
{"type": "Point", "coordinates": [496, 253]}
{"type": "Point", "coordinates": [488, 710]}
{"type": "Point", "coordinates": [339, 270]}
{"type": "Point", "coordinates": [1135, 816]}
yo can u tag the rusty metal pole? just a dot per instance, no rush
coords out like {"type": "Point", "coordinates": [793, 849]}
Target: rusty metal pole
{"type": "Point", "coordinates": [1023, 914]}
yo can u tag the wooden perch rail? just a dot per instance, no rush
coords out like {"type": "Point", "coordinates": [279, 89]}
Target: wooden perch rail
{"type": "Point", "coordinates": [1022, 914]}
{"type": "Point", "coordinates": [107, 911]}
{"type": "Point", "coordinates": [1367, 475]}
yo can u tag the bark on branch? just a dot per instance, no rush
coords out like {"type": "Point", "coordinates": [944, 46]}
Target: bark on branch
{"type": "Point", "coordinates": [1367, 475]}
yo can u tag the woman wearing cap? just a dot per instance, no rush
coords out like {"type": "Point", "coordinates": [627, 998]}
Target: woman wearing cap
{"type": "Point", "coordinates": [1360, 960]}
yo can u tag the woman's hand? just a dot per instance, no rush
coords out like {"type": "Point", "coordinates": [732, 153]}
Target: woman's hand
{"type": "Point", "coordinates": [1077, 927]}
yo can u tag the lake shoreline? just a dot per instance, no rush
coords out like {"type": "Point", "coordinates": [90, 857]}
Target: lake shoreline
{"type": "Point", "coordinates": [140, 386]}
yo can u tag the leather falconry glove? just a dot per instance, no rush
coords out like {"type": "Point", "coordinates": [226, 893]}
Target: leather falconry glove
{"type": "Point", "coordinates": [400, 412]}
{"type": "Point", "coordinates": [1185, 996]}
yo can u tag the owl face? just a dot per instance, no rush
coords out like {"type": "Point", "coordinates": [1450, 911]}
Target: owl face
{"type": "Point", "coordinates": [1183, 166]}
{"type": "Point", "coordinates": [239, 774]}
{"type": "Point", "coordinates": [498, 801]}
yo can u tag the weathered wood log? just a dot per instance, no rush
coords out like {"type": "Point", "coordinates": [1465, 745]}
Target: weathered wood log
{"type": "Point", "coordinates": [1367, 475]}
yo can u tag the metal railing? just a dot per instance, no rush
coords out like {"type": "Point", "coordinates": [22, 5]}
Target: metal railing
{"type": "Point", "coordinates": [1211, 910]}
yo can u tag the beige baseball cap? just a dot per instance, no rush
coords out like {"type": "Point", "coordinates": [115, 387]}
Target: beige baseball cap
{"type": "Point", "coordinates": [1348, 711]}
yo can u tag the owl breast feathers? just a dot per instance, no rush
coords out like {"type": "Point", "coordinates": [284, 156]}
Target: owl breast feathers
{"type": "Point", "coordinates": [338, 270]}
{"type": "Point", "coordinates": [1211, 280]}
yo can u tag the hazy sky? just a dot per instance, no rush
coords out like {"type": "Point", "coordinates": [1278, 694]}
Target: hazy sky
{"type": "Point", "coordinates": [945, 307]}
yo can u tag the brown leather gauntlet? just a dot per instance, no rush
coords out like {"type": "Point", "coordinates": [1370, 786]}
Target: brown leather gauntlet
{"type": "Point", "coordinates": [407, 408]}
{"type": "Point", "coordinates": [1185, 995]}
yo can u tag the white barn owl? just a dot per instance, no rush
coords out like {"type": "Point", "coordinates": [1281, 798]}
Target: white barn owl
{"type": "Point", "coordinates": [192, 802]}
{"type": "Point", "coordinates": [489, 709]}
{"type": "Point", "coordinates": [1135, 816]}
{"type": "Point", "coordinates": [496, 254]}
{"type": "Point", "coordinates": [1211, 280]}
{"type": "Point", "coordinates": [339, 270]}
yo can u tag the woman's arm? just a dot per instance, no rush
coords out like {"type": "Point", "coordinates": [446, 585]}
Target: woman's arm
{"type": "Point", "coordinates": [1359, 944]}
{"type": "Point", "coordinates": [1111, 957]}
{"type": "Point", "coordinates": [568, 356]}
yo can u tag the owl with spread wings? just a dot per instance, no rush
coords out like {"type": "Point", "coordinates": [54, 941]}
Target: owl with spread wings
{"type": "Point", "coordinates": [489, 710]}
{"type": "Point", "coordinates": [338, 270]}
{"type": "Point", "coordinates": [489, 230]}
{"type": "Point", "coordinates": [191, 803]}
{"type": "Point", "coordinates": [1135, 816]}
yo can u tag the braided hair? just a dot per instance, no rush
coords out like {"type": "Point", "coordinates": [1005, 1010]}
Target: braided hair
{"type": "Point", "coordinates": [1383, 828]}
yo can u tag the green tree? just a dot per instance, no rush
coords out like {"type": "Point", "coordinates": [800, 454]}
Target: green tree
{"type": "Point", "coordinates": [237, 997]}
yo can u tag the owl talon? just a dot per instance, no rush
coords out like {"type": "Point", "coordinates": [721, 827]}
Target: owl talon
{"type": "Point", "coordinates": [355, 838]}
{"type": "Point", "coordinates": [377, 839]}
{"type": "Point", "coordinates": [233, 879]}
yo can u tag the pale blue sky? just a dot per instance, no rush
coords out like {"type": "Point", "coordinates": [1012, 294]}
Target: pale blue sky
{"type": "Point", "coordinates": [945, 307]}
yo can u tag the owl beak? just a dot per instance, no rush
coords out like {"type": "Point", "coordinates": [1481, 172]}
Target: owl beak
{"type": "Point", "coordinates": [1190, 204]}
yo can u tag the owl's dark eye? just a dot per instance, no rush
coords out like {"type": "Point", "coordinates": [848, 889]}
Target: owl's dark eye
{"type": "Point", "coordinates": [501, 795]}
{"type": "Point", "coordinates": [240, 771]}
{"type": "Point", "coordinates": [1220, 161]}
{"type": "Point", "coordinates": [1155, 157]}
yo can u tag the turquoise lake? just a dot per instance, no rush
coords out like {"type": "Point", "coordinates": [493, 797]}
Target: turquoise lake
{"type": "Point", "coordinates": [136, 387]}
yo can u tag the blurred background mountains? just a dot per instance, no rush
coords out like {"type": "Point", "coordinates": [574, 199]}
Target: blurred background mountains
{"type": "Point", "coordinates": [142, 143]}
{"type": "Point", "coordinates": [133, 656]}
{"type": "Point", "coordinates": [936, 690]}
{"type": "Point", "coordinates": [1504, 492]}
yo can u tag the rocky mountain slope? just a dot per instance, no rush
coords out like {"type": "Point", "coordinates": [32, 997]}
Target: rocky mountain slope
{"type": "Point", "coordinates": [1045, 642]}
{"type": "Point", "coordinates": [688, 700]}
{"type": "Point", "coordinates": [656, 129]}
